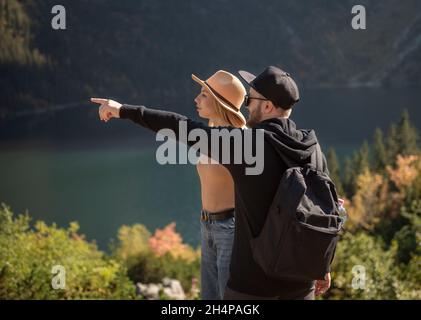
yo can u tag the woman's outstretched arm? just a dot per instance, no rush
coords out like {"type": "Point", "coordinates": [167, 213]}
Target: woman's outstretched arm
{"type": "Point", "coordinates": [182, 128]}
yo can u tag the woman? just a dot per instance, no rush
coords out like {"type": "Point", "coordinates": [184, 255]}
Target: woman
{"type": "Point", "coordinates": [219, 103]}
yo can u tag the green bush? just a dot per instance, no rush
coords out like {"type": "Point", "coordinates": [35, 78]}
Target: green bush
{"type": "Point", "coordinates": [27, 257]}
{"type": "Point", "coordinates": [132, 241]}
{"type": "Point", "coordinates": [144, 265]}
{"type": "Point", "coordinates": [408, 240]}
{"type": "Point", "coordinates": [385, 277]}
{"type": "Point", "coordinates": [409, 286]}
{"type": "Point", "coordinates": [362, 249]}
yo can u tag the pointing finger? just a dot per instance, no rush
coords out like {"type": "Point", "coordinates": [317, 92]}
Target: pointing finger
{"type": "Point", "coordinates": [99, 100]}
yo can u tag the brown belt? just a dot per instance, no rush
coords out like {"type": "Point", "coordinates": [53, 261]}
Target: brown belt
{"type": "Point", "coordinates": [214, 216]}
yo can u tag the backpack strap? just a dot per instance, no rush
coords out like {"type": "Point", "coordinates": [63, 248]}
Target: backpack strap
{"type": "Point", "coordinates": [316, 158]}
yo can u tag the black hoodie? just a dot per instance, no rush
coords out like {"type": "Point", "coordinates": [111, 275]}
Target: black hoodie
{"type": "Point", "coordinates": [283, 143]}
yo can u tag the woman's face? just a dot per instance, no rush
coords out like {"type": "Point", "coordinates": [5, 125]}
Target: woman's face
{"type": "Point", "coordinates": [205, 105]}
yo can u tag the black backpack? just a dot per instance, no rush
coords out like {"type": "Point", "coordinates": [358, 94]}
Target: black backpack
{"type": "Point", "coordinates": [299, 237]}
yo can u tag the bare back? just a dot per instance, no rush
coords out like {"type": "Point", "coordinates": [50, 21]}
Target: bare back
{"type": "Point", "coordinates": [217, 186]}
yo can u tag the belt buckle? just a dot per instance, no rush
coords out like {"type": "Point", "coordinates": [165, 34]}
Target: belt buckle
{"type": "Point", "coordinates": [205, 216]}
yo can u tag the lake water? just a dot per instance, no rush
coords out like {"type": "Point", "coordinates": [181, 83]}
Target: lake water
{"type": "Point", "coordinates": [104, 184]}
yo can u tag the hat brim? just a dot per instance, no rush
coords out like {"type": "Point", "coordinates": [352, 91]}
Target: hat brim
{"type": "Point", "coordinates": [247, 76]}
{"type": "Point", "coordinates": [237, 114]}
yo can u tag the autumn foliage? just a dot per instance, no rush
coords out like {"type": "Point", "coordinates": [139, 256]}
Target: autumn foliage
{"type": "Point", "coordinates": [382, 186]}
{"type": "Point", "coordinates": [167, 240]}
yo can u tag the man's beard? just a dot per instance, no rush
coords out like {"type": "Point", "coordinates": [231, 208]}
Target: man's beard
{"type": "Point", "coordinates": [254, 117]}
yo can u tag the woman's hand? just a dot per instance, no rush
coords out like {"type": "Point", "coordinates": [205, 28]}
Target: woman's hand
{"type": "Point", "coordinates": [108, 109]}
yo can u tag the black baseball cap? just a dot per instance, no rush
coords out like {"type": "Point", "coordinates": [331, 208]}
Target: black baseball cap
{"type": "Point", "coordinates": [275, 85]}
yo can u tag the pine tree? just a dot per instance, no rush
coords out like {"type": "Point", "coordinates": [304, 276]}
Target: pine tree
{"type": "Point", "coordinates": [354, 166]}
{"type": "Point", "coordinates": [408, 136]}
{"type": "Point", "coordinates": [334, 169]}
{"type": "Point", "coordinates": [362, 159]}
{"type": "Point", "coordinates": [392, 144]}
{"type": "Point", "coordinates": [348, 178]}
{"type": "Point", "coordinates": [402, 139]}
{"type": "Point", "coordinates": [380, 158]}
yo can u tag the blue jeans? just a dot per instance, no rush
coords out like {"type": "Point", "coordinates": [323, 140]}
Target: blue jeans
{"type": "Point", "coordinates": [217, 240]}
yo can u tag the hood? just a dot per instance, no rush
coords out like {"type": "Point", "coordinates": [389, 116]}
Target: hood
{"type": "Point", "coordinates": [292, 144]}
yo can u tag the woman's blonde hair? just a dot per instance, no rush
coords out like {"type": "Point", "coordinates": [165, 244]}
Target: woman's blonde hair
{"type": "Point", "coordinates": [225, 115]}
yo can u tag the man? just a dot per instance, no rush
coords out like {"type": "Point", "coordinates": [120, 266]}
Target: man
{"type": "Point", "coordinates": [272, 95]}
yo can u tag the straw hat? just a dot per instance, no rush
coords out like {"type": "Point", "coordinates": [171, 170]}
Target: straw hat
{"type": "Point", "coordinates": [228, 90]}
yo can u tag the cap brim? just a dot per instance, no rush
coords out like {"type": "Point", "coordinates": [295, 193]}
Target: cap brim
{"type": "Point", "coordinates": [238, 114]}
{"type": "Point", "coordinates": [247, 76]}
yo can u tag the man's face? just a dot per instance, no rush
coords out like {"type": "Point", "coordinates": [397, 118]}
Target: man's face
{"type": "Point", "coordinates": [254, 108]}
